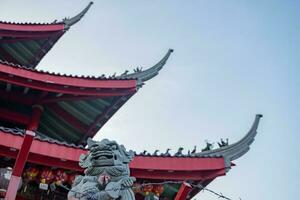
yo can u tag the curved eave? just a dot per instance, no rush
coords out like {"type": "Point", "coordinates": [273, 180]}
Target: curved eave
{"type": "Point", "coordinates": [73, 20]}
{"type": "Point", "coordinates": [44, 27]}
{"type": "Point", "coordinates": [145, 75]}
{"type": "Point", "coordinates": [49, 153]}
{"type": "Point", "coordinates": [27, 43]}
{"type": "Point", "coordinates": [235, 150]}
{"type": "Point", "coordinates": [60, 83]}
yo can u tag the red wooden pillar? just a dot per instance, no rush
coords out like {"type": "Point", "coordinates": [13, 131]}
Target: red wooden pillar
{"type": "Point", "coordinates": [183, 192]}
{"type": "Point", "coordinates": [23, 153]}
{"type": "Point", "coordinates": [19, 166]}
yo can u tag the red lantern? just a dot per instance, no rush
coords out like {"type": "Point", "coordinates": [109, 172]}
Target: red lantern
{"type": "Point", "coordinates": [46, 176]}
{"type": "Point", "coordinates": [158, 189]}
{"type": "Point", "coordinates": [31, 174]}
{"type": "Point", "coordinates": [60, 177]}
{"type": "Point", "coordinates": [147, 189]}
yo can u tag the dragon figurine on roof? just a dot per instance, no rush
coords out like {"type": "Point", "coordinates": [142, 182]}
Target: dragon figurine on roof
{"type": "Point", "coordinates": [106, 174]}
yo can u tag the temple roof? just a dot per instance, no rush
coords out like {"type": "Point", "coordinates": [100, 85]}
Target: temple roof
{"type": "Point", "coordinates": [74, 107]}
{"type": "Point", "coordinates": [170, 168]}
{"type": "Point", "coordinates": [27, 43]}
{"type": "Point", "coordinates": [237, 149]}
{"type": "Point", "coordinates": [199, 168]}
{"type": "Point", "coordinates": [229, 153]}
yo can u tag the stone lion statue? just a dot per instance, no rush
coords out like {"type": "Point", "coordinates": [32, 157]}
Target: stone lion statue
{"type": "Point", "coordinates": [106, 174]}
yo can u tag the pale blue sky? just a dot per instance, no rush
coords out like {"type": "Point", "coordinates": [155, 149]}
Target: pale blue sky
{"type": "Point", "coordinates": [232, 59]}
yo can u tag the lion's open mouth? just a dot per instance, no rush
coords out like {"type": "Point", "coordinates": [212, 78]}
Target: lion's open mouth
{"type": "Point", "coordinates": [103, 158]}
{"type": "Point", "coordinates": [102, 155]}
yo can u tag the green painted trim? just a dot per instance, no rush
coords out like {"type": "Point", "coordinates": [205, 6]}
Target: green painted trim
{"type": "Point", "coordinates": [21, 48]}
{"type": "Point", "coordinates": [79, 115]}
{"type": "Point", "coordinates": [14, 54]}
{"type": "Point", "coordinates": [70, 131]}
{"type": "Point", "coordinates": [46, 130]}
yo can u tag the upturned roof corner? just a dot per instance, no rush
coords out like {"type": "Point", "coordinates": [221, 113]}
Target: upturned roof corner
{"type": "Point", "coordinates": [73, 20]}
{"type": "Point", "coordinates": [145, 75]}
{"type": "Point", "coordinates": [235, 150]}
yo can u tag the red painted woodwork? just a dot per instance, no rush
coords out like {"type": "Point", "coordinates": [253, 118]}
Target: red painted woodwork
{"type": "Point", "coordinates": [26, 38]}
{"type": "Point", "coordinates": [63, 80]}
{"type": "Point", "coordinates": [66, 97]}
{"type": "Point", "coordinates": [12, 188]}
{"type": "Point", "coordinates": [17, 97]}
{"type": "Point", "coordinates": [183, 192]}
{"type": "Point", "coordinates": [155, 168]}
{"type": "Point", "coordinates": [177, 163]}
{"type": "Point", "coordinates": [56, 151]}
{"type": "Point", "coordinates": [15, 117]}
{"type": "Point", "coordinates": [19, 166]}
{"type": "Point", "coordinates": [51, 87]}
{"type": "Point", "coordinates": [23, 153]}
{"type": "Point", "coordinates": [35, 117]}
{"type": "Point", "coordinates": [32, 28]}
{"type": "Point", "coordinates": [169, 168]}
{"type": "Point", "coordinates": [197, 175]}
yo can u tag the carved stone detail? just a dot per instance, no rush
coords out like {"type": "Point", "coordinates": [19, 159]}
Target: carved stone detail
{"type": "Point", "coordinates": [106, 174]}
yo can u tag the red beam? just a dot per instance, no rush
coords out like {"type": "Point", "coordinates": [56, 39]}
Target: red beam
{"type": "Point", "coordinates": [67, 97]}
{"type": "Point", "coordinates": [28, 35]}
{"type": "Point", "coordinates": [17, 97]}
{"type": "Point", "coordinates": [177, 163]}
{"type": "Point", "coordinates": [32, 28]}
{"type": "Point", "coordinates": [12, 116]}
{"type": "Point", "coordinates": [196, 175]}
{"type": "Point", "coordinates": [19, 166]}
{"type": "Point", "coordinates": [66, 80]}
{"type": "Point", "coordinates": [70, 97]}
{"type": "Point", "coordinates": [183, 192]}
{"type": "Point", "coordinates": [52, 87]}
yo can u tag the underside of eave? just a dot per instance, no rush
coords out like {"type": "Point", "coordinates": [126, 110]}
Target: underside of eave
{"type": "Point", "coordinates": [25, 50]}
{"type": "Point", "coordinates": [66, 117]}
{"type": "Point", "coordinates": [76, 121]}
{"type": "Point", "coordinates": [27, 43]}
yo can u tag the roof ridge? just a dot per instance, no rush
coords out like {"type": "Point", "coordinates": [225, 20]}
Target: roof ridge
{"type": "Point", "coordinates": [68, 22]}
{"type": "Point", "coordinates": [97, 77]}
{"type": "Point", "coordinates": [137, 74]}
